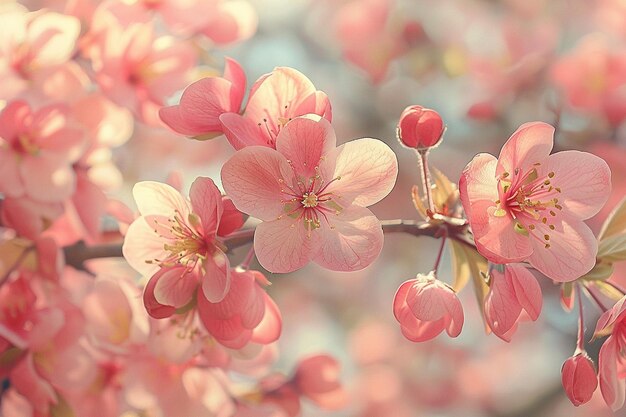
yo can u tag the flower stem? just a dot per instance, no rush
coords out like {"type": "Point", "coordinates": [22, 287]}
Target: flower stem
{"type": "Point", "coordinates": [596, 299]}
{"type": "Point", "coordinates": [426, 182]}
{"type": "Point", "coordinates": [245, 264]}
{"type": "Point", "coordinates": [440, 254]}
{"type": "Point", "coordinates": [580, 343]}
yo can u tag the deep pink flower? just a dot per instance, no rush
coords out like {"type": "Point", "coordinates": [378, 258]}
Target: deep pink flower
{"type": "Point", "coordinates": [612, 361]}
{"type": "Point", "coordinates": [178, 242]}
{"type": "Point", "coordinates": [425, 307]}
{"type": "Point", "coordinates": [529, 205]}
{"type": "Point", "coordinates": [37, 150]}
{"type": "Point", "coordinates": [211, 106]}
{"type": "Point", "coordinates": [312, 196]}
{"type": "Point", "coordinates": [420, 128]}
{"type": "Point", "coordinates": [511, 292]}
{"type": "Point", "coordinates": [579, 378]}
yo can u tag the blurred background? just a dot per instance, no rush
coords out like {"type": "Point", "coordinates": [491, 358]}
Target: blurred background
{"type": "Point", "coordinates": [486, 66]}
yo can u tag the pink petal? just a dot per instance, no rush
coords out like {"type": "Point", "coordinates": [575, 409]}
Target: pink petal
{"type": "Point", "coordinates": [153, 307]}
{"type": "Point", "coordinates": [232, 219]}
{"type": "Point", "coordinates": [268, 331]}
{"type": "Point", "coordinates": [478, 181]}
{"type": "Point", "coordinates": [368, 170]}
{"type": "Point", "coordinates": [529, 144]}
{"type": "Point", "coordinates": [232, 21]}
{"type": "Point", "coordinates": [173, 118]}
{"type": "Point", "coordinates": [52, 37]}
{"type": "Point", "coordinates": [47, 178]}
{"type": "Point", "coordinates": [351, 241]}
{"type": "Point", "coordinates": [206, 201]}
{"type": "Point", "coordinates": [612, 386]}
{"type": "Point", "coordinates": [159, 199]}
{"type": "Point", "coordinates": [234, 73]}
{"type": "Point", "coordinates": [502, 309]}
{"type": "Point", "coordinates": [25, 379]}
{"type": "Point", "coordinates": [205, 100]}
{"type": "Point", "coordinates": [610, 316]}
{"type": "Point", "coordinates": [242, 131]}
{"type": "Point", "coordinates": [304, 141]}
{"type": "Point", "coordinates": [584, 180]}
{"type": "Point", "coordinates": [10, 183]}
{"type": "Point", "coordinates": [216, 280]}
{"type": "Point", "coordinates": [175, 287]}
{"type": "Point", "coordinates": [571, 253]}
{"type": "Point", "coordinates": [527, 289]}
{"type": "Point", "coordinates": [251, 178]}
{"type": "Point", "coordinates": [142, 244]}
{"type": "Point", "coordinates": [317, 103]}
{"type": "Point", "coordinates": [284, 245]}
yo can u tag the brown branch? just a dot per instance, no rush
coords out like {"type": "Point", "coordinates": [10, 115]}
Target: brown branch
{"type": "Point", "coordinates": [77, 254]}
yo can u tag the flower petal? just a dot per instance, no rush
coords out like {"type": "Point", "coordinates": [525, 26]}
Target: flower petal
{"type": "Point", "coordinates": [352, 242]}
{"type": "Point", "coordinates": [161, 199]}
{"type": "Point", "coordinates": [569, 253]}
{"type": "Point", "coordinates": [206, 201]}
{"type": "Point", "coordinates": [268, 331]}
{"type": "Point", "coordinates": [529, 144]}
{"type": "Point", "coordinates": [584, 180]}
{"type": "Point", "coordinates": [612, 386]}
{"type": "Point", "coordinates": [175, 287]}
{"type": "Point", "coordinates": [251, 178]}
{"type": "Point", "coordinates": [527, 289]}
{"type": "Point", "coordinates": [284, 245]}
{"type": "Point", "coordinates": [502, 309]}
{"type": "Point", "coordinates": [232, 219]}
{"type": "Point", "coordinates": [242, 131]}
{"type": "Point", "coordinates": [304, 140]}
{"type": "Point", "coordinates": [216, 280]}
{"type": "Point", "coordinates": [368, 170]}
{"type": "Point", "coordinates": [142, 244]}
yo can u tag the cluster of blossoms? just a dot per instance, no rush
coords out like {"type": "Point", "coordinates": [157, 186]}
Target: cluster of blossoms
{"type": "Point", "coordinates": [180, 328]}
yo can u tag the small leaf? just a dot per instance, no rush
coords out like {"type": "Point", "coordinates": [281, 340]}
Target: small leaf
{"type": "Point", "coordinates": [418, 203]}
{"type": "Point", "coordinates": [615, 223]}
{"type": "Point", "coordinates": [600, 272]}
{"type": "Point", "coordinates": [460, 267]}
{"type": "Point", "coordinates": [612, 248]}
{"type": "Point", "coordinates": [608, 290]}
{"type": "Point", "coordinates": [467, 259]}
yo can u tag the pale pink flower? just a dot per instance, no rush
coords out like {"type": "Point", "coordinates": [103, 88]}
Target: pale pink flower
{"type": "Point", "coordinates": [137, 70]}
{"type": "Point", "coordinates": [32, 44]}
{"type": "Point", "coordinates": [37, 150]}
{"type": "Point", "coordinates": [509, 293]}
{"type": "Point", "coordinates": [579, 378]}
{"type": "Point", "coordinates": [425, 307]}
{"type": "Point", "coordinates": [211, 106]}
{"type": "Point", "coordinates": [317, 378]}
{"type": "Point", "coordinates": [529, 205]}
{"type": "Point", "coordinates": [312, 197]}
{"type": "Point", "coordinates": [612, 361]}
{"type": "Point", "coordinates": [178, 243]}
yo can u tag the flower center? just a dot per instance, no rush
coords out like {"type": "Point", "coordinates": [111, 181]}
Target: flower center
{"type": "Point", "coordinates": [270, 128]}
{"type": "Point", "coordinates": [531, 200]}
{"type": "Point", "coordinates": [307, 199]}
{"type": "Point", "coordinates": [183, 243]}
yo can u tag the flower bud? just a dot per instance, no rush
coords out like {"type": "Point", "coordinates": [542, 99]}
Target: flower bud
{"type": "Point", "coordinates": [579, 378]}
{"type": "Point", "coordinates": [420, 128]}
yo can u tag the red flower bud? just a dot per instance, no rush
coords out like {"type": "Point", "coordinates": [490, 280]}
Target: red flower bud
{"type": "Point", "coordinates": [579, 378]}
{"type": "Point", "coordinates": [420, 128]}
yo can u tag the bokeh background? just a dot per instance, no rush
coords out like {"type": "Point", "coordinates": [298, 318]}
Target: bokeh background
{"type": "Point", "coordinates": [486, 66]}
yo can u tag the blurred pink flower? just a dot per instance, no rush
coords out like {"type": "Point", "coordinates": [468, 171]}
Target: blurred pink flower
{"type": "Point", "coordinates": [211, 106]}
{"type": "Point", "coordinates": [579, 378]}
{"type": "Point", "coordinates": [317, 378]}
{"type": "Point", "coordinates": [178, 243]}
{"type": "Point", "coordinates": [612, 359]}
{"type": "Point", "coordinates": [312, 196]}
{"type": "Point", "coordinates": [37, 150]}
{"type": "Point", "coordinates": [509, 293]}
{"type": "Point", "coordinates": [529, 205]}
{"type": "Point", "coordinates": [137, 70]}
{"type": "Point", "coordinates": [425, 307]}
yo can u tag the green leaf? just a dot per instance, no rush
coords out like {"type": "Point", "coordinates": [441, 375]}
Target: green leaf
{"type": "Point", "coordinates": [613, 248]}
{"type": "Point", "coordinates": [608, 290]}
{"type": "Point", "coordinates": [600, 272]}
{"type": "Point", "coordinates": [468, 263]}
{"type": "Point", "coordinates": [615, 223]}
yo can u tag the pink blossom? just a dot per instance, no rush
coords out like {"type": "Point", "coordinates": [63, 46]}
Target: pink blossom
{"type": "Point", "coordinates": [420, 128]}
{"type": "Point", "coordinates": [579, 378]}
{"type": "Point", "coordinates": [211, 106]}
{"type": "Point", "coordinates": [312, 197]}
{"type": "Point", "coordinates": [137, 70]}
{"type": "Point", "coordinates": [529, 205]}
{"type": "Point", "coordinates": [317, 378]}
{"type": "Point", "coordinates": [37, 150]}
{"type": "Point", "coordinates": [612, 361]}
{"type": "Point", "coordinates": [178, 243]}
{"type": "Point", "coordinates": [511, 292]}
{"type": "Point", "coordinates": [425, 307]}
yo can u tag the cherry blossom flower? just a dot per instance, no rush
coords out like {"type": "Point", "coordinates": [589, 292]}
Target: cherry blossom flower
{"type": "Point", "coordinates": [37, 150]}
{"type": "Point", "coordinates": [511, 292]}
{"type": "Point", "coordinates": [611, 360]}
{"type": "Point", "coordinates": [312, 197]}
{"type": "Point", "coordinates": [425, 307]}
{"type": "Point", "coordinates": [178, 242]}
{"type": "Point", "coordinates": [579, 378]}
{"type": "Point", "coordinates": [420, 128]}
{"type": "Point", "coordinates": [529, 205]}
{"type": "Point", "coordinates": [211, 106]}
